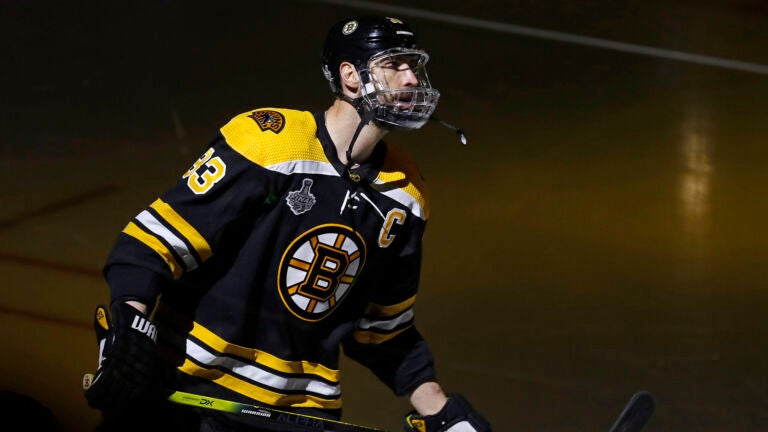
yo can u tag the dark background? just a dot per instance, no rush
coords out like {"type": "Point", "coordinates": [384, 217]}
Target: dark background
{"type": "Point", "coordinates": [603, 231]}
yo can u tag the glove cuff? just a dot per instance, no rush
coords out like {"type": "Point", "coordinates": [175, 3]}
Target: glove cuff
{"type": "Point", "coordinates": [457, 415]}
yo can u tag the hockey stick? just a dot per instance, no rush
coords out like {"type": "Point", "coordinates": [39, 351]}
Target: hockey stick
{"type": "Point", "coordinates": [636, 413]}
{"type": "Point", "coordinates": [633, 417]}
{"type": "Point", "coordinates": [268, 414]}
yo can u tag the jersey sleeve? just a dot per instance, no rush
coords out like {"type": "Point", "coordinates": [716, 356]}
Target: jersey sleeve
{"type": "Point", "coordinates": [402, 363]}
{"type": "Point", "coordinates": [179, 231]}
{"type": "Point", "coordinates": [386, 340]}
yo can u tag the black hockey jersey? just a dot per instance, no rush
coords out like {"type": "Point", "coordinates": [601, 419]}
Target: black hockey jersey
{"type": "Point", "coordinates": [267, 255]}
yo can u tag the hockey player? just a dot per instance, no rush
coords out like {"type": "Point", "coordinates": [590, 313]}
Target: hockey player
{"type": "Point", "coordinates": [294, 235]}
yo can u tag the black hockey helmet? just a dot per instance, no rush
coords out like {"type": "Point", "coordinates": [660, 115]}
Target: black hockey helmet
{"type": "Point", "coordinates": [368, 42]}
{"type": "Point", "coordinates": [356, 39]}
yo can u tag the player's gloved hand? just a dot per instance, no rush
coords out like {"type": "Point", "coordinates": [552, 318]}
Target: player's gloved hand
{"type": "Point", "coordinates": [127, 359]}
{"type": "Point", "coordinates": [457, 415]}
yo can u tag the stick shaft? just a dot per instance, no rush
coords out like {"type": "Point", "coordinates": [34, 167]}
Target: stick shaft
{"type": "Point", "coordinates": [636, 414]}
{"type": "Point", "coordinates": [270, 415]}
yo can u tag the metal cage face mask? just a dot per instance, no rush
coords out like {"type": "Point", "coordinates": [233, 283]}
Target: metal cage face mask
{"type": "Point", "coordinates": [397, 88]}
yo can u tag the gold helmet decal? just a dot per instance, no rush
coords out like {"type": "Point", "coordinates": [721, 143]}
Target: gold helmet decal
{"type": "Point", "coordinates": [318, 270]}
{"type": "Point", "coordinates": [268, 120]}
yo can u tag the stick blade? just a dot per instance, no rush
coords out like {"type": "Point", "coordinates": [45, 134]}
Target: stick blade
{"type": "Point", "coordinates": [636, 413]}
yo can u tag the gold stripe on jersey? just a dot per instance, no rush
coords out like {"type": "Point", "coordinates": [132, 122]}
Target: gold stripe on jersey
{"type": "Point", "coordinates": [400, 179]}
{"type": "Point", "coordinates": [296, 141]}
{"type": "Point", "coordinates": [272, 380]}
{"type": "Point", "coordinates": [390, 317]}
{"type": "Point", "coordinates": [258, 393]}
{"type": "Point", "coordinates": [389, 310]}
{"type": "Point", "coordinates": [156, 245]}
{"type": "Point", "coordinates": [369, 337]}
{"type": "Point", "coordinates": [182, 226]}
{"type": "Point", "coordinates": [253, 355]}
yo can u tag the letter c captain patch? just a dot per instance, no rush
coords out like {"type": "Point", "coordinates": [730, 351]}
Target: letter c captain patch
{"type": "Point", "coordinates": [268, 120]}
{"type": "Point", "coordinates": [318, 270]}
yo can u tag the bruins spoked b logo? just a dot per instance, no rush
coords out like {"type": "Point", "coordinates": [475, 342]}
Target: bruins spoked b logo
{"type": "Point", "coordinates": [318, 270]}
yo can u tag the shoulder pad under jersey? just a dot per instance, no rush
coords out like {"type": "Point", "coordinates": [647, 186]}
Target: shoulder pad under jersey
{"type": "Point", "coordinates": [400, 178]}
{"type": "Point", "coordinates": [274, 136]}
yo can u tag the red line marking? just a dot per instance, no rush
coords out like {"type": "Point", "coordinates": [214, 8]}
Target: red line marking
{"type": "Point", "coordinates": [58, 205]}
{"type": "Point", "coordinates": [45, 318]}
{"type": "Point", "coordinates": [49, 265]}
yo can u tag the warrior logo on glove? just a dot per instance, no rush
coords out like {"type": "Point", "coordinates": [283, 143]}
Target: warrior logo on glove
{"type": "Point", "coordinates": [127, 358]}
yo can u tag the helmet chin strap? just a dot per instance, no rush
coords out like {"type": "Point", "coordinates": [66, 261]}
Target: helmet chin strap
{"type": "Point", "coordinates": [459, 131]}
{"type": "Point", "coordinates": [357, 103]}
{"type": "Point", "coordinates": [365, 118]}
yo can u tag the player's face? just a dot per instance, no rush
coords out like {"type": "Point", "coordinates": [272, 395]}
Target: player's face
{"type": "Point", "coordinates": [398, 71]}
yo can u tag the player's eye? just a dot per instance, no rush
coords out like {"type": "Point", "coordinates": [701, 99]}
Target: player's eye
{"type": "Point", "coordinates": [412, 61]}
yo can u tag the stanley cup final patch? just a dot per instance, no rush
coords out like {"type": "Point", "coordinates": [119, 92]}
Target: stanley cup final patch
{"type": "Point", "coordinates": [302, 200]}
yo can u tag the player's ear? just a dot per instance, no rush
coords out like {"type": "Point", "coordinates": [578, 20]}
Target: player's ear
{"type": "Point", "coordinates": [349, 78]}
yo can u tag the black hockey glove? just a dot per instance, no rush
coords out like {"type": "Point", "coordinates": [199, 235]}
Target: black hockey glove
{"type": "Point", "coordinates": [127, 371]}
{"type": "Point", "coordinates": [456, 416]}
